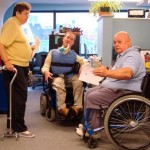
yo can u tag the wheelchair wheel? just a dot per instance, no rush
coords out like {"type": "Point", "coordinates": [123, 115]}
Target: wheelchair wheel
{"type": "Point", "coordinates": [43, 104]}
{"type": "Point", "coordinates": [50, 114]}
{"type": "Point", "coordinates": [92, 143]}
{"type": "Point", "coordinates": [127, 123]}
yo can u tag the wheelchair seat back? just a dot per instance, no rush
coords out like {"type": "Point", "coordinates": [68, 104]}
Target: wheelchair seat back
{"type": "Point", "coordinates": [145, 86]}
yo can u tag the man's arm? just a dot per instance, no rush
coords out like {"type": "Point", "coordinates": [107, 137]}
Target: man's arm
{"type": "Point", "coordinates": [46, 66]}
{"type": "Point", "coordinates": [82, 61]}
{"type": "Point", "coordinates": [120, 74]}
{"type": "Point", "coordinates": [4, 57]}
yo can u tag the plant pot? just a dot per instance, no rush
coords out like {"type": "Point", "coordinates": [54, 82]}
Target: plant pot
{"type": "Point", "coordinates": [76, 33]}
{"type": "Point", "coordinates": [104, 11]}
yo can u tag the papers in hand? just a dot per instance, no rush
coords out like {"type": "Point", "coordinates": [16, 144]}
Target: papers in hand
{"type": "Point", "coordinates": [35, 46]}
{"type": "Point", "coordinates": [87, 76]}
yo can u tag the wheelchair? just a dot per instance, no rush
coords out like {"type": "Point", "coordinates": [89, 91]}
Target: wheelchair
{"type": "Point", "coordinates": [48, 104]}
{"type": "Point", "coordinates": [48, 101]}
{"type": "Point", "coordinates": [126, 121]}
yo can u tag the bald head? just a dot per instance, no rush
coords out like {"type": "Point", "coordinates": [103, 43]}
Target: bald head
{"type": "Point", "coordinates": [122, 41]}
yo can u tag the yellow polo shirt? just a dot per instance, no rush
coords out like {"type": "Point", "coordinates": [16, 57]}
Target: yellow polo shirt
{"type": "Point", "coordinates": [16, 44]}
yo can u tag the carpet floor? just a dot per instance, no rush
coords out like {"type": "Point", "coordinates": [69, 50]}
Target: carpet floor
{"type": "Point", "coordinates": [49, 135]}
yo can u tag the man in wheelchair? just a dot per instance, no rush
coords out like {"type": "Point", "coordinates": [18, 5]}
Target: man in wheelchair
{"type": "Point", "coordinates": [123, 77]}
{"type": "Point", "coordinates": [59, 66]}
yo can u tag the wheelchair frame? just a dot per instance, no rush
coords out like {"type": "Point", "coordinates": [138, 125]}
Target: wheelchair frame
{"type": "Point", "coordinates": [126, 121]}
{"type": "Point", "coordinates": [48, 103]}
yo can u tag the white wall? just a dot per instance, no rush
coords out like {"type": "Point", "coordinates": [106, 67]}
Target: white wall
{"type": "Point", "coordinates": [104, 38]}
{"type": "Point", "coordinates": [138, 29]}
{"type": "Point", "coordinates": [4, 4]}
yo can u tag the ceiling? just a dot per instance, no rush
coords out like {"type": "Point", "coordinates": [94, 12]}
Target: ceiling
{"type": "Point", "coordinates": [58, 1]}
{"type": "Point", "coordinates": [6, 3]}
{"type": "Point", "coordinates": [142, 3]}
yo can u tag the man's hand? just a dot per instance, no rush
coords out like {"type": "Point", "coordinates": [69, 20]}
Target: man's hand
{"type": "Point", "coordinates": [9, 66]}
{"type": "Point", "coordinates": [121, 74]}
{"type": "Point", "coordinates": [100, 71]}
{"type": "Point", "coordinates": [47, 75]}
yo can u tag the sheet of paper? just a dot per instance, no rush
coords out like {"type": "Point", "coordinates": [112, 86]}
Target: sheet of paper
{"type": "Point", "coordinates": [87, 76]}
{"type": "Point", "coordinates": [36, 45]}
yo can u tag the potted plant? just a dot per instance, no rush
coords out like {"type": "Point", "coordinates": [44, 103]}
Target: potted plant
{"type": "Point", "coordinates": [105, 6]}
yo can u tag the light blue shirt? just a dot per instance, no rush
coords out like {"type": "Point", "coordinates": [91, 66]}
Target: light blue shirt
{"type": "Point", "coordinates": [132, 59]}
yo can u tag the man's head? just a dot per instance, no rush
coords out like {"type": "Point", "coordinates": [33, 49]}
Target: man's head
{"type": "Point", "coordinates": [122, 41]}
{"type": "Point", "coordinates": [21, 11]}
{"type": "Point", "coordinates": [68, 39]}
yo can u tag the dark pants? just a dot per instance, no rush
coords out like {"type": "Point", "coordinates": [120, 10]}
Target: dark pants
{"type": "Point", "coordinates": [19, 97]}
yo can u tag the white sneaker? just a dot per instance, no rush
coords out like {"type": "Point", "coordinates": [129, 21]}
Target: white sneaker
{"type": "Point", "coordinates": [81, 126]}
{"type": "Point", "coordinates": [79, 132]}
{"type": "Point", "coordinates": [27, 134]}
{"type": "Point", "coordinates": [80, 129]}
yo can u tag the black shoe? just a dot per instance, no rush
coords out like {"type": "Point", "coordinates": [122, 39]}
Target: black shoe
{"type": "Point", "coordinates": [64, 111]}
{"type": "Point", "coordinates": [75, 110]}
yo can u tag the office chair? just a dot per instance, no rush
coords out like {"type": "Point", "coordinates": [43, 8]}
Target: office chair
{"type": "Point", "coordinates": [35, 67]}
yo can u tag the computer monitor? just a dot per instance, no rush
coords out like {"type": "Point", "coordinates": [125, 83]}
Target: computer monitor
{"type": "Point", "coordinates": [136, 13]}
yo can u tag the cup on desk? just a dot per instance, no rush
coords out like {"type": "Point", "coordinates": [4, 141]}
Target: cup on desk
{"type": "Point", "coordinates": [95, 63]}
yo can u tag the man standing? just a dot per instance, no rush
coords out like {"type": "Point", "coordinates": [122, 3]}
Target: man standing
{"type": "Point", "coordinates": [16, 52]}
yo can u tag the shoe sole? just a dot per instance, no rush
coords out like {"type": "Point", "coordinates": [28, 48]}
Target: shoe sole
{"type": "Point", "coordinates": [31, 135]}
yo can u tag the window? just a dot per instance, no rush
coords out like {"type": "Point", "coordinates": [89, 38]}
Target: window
{"type": "Point", "coordinates": [81, 20]}
{"type": "Point", "coordinates": [39, 25]}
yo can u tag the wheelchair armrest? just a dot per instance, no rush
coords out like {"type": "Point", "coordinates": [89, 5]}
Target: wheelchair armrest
{"type": "Point", "coordinates": [47, 85]}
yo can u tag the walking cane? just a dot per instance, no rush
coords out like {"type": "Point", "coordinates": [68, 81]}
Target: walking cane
{"type": "Point", "coordinates": [10, 133]}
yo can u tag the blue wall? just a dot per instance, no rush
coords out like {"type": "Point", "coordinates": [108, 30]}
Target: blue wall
{"type": "Point", "coordinates": [50, 7]}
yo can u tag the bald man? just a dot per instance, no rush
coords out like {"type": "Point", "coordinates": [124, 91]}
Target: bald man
{"type": "Point", "coordinates": [123, 77]}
